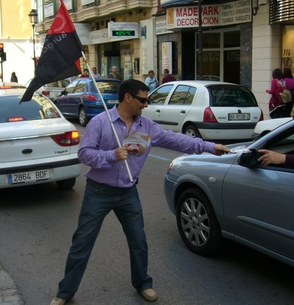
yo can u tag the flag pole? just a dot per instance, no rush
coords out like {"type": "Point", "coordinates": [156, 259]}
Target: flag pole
{"type": "Point", "coordinates": [107, 112]}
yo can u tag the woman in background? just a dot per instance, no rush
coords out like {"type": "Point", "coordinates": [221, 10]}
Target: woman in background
{"type": "Point", "coordinates": [151, 81]}
{"type": "Point", "coordinates": [288, 77]}
{"type": "Point", "coordinates": [276, 105]}
{"type": "Point", "coordinates": [13, 78]}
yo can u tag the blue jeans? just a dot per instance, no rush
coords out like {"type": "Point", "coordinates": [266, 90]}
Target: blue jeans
{"type": "Point", "coordinates": [99, 200]}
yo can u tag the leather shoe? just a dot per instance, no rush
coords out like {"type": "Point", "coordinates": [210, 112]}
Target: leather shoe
{"type": "Point", "coordinates": [149, 295]}
{"type": "Point", "coordinates": [58, 301]}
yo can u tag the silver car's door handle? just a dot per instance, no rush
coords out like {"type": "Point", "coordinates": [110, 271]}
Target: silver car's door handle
{"type": "Point", "coordinates": [157, 110]}
{"type": "Point", "coordinates": [183, 111]}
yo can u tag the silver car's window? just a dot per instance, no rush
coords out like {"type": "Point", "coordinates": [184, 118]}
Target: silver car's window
{"type": "Point", "coordinates": [159, 96]}
{"type": "Point", "coordinates": [229, 96]}
{"type": "Point", "coordinates": [39, 108]}
{"type": "Point", "coordinates": [183, 95]}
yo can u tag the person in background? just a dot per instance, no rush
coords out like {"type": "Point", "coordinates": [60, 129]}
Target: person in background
{"type": "Point", "coordinates": [167, 77]}
{"type": "Point", "coordinates": [272, 157]}
{"type": "Point", "coordinates": [13, 78]}
{"type": "Point", "coordinates": [85, 73]}
{"type": "Point", "coordinates": [114, 73]}
{"type": "Point", "coordinates": [95, 73]}
{"type": "Point", "coordinates": [151, 81]}
{"type": "Point", "coordinates": [288, 77]}
{"type": "Point", "coordinates": [276, 105]}
{"type": "Point", "coordinates": [109, 187]}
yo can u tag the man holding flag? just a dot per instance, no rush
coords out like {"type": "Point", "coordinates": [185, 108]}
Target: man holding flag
{"type": "Point", "coordinates": [109, 186]}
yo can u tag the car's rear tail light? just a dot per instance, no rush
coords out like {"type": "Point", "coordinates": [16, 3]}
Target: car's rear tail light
{"type": "Point", "coordinates": [67, 139]}
{"type": "Point", "coordinates": [208, 116]}
{"type": "Point", "coordinates": [261, 115]}
{"type": "Point", "coordinates": [46, 93]}
{"type": "Point", "coordinates": [16, 119]}
{"type": "Point", "coordinates": [91, 97]}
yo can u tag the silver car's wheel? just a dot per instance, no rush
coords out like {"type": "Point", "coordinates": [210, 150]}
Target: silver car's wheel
{"type": "Point", "coordinates": [192, 131]}
{"type": "Point", "coordinates": [197, 223]}
{"type": "Point", "coordinates": [83, 117]}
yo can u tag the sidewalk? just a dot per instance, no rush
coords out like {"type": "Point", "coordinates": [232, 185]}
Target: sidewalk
{"type": "Point", "coordinates": [9, 294]}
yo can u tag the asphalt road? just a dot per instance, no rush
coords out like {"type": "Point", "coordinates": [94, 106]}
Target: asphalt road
{"type": "Point", "coordinates": [36, 226]}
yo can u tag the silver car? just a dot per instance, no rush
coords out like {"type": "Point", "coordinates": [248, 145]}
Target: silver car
{"type": "Point", "coordinates": [235, 197]}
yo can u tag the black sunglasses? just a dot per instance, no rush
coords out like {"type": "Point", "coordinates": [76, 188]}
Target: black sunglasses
{"type": "Point", "coordinates": [142, 100]}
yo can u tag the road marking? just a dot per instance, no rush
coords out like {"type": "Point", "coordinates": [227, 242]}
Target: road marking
{"type": "Point", "coordinates": [158, 157]}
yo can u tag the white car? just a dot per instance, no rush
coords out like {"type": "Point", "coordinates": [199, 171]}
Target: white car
{"type": "Point", "coordinates": [209, 109]}
{"type": "Point", "coordinates": [266, 126]}
{"type": "Point", "coordinates": [37, 144]}
{"type": "Point", "coordinates": [51, 90]}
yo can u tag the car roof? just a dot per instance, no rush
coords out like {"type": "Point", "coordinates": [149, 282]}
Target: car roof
{"type": "Point", "coordinates": [89, 79]}
{"type": "Point", "coordinates": [200, 82]}
{"type": "Point", "coordinates": [7, 90]}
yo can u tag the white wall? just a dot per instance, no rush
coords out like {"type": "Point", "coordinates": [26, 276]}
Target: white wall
{"type": "Point", "coordinates": [266, 55]}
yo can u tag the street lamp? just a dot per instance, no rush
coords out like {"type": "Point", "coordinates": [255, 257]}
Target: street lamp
{"type": "Point", "coordinates": [33, 18]}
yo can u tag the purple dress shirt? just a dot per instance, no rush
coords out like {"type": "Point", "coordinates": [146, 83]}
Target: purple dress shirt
{"type": "Point", "coordinates": [97, 149]}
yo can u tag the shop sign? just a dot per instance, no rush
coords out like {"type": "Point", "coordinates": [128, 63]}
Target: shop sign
{"type": "Point", "coordinates": [99, 36]}
{"type": "Point", "coordinates": [212, 15]}
{"type": "Point", "coordinates": [119, 30]}
{"type": "Point", "coordinates": [160, 26]}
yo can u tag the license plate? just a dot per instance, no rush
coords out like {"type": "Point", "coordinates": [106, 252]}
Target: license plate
{"type": "Point", "coordinates": [26, 177]}
{"type": "Point", "coordinates": [239, 116]}
{"type": "Point", "coordinates": [112, 101]}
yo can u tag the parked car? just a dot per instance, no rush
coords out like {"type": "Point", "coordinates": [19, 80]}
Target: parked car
{"type": "Point", "coordinates": [37, 144]}
{"type": "Point", "coordinates": [209, 109]}
{"type": "Point", "coordinates": [10, 85]}
{"type": "Point", "coordinates": [80, 98]}
{"type": "Point", "coordinates": [51, 90]}
{"type": "Point", "coordinates": [235, 197]}
{"type": "Point", "coordinates": [264, 127]}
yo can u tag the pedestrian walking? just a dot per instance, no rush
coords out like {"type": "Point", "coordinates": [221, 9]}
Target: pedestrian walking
{"type": "Point", "coordinates": [167, 77]}
{"type": "Point", "coordinates": [13, 78]}
{"type": "Point", "coordinates": [114, 73]}
{"type": "Point", "coordinates": [95, 73]}
{"type": "Point", "coordinates": [109, 186]}
{"type": "Point", "coordinates": [151, 81]}
{"type": "Point", "coordinates": [276, 105]}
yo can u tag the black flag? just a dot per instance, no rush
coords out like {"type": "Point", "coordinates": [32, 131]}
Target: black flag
{"type": "Point", "coordinates": [60, 54]}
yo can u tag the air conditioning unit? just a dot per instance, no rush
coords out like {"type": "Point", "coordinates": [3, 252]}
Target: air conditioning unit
{"type": "Point", "coordinates": [262, 2]}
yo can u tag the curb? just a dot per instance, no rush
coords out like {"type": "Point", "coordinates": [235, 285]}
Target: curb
{"type": "Point", "coordinates": [9, 293]}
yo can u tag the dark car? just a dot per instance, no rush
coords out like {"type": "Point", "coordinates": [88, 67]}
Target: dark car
{"type": "Point", "coordinates": [80, 98]}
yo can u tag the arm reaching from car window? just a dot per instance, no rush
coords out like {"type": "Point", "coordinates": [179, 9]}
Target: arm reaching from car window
{"type": "Point", "coordinates": [271, 157]}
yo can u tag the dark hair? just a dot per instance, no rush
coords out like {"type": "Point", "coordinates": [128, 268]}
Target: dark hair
{"type": "Point", "coordinates": [277, 73]}
{"type": "Point", "coordinates": [131, 86]}
{"type": "Point", "coordinates": [287, 73]}
{"type": "Point", "coordinates": [166, 71]}
{"type": "Point", "coordinates": [151, 71]}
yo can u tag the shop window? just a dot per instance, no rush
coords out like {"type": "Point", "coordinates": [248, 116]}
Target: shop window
{"type": "Point", "coordinates": [232, 39]}
{"type": "Point", "coordinates": [210, 40]}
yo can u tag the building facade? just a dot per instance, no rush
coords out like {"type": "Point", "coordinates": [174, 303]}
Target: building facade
{"type": "Point", "coordinates": [237, 41]}
{"type": "Point", "coordinates": [17, 36]}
